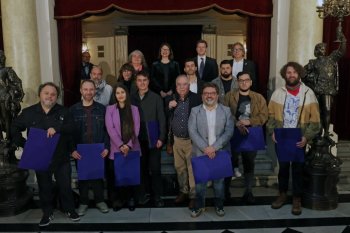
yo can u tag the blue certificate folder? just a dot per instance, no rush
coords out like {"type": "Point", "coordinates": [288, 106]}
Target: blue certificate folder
{"type": "Point", "coordinates": [38, 150]}
{"type": "Point", "coordinates": [253, 141]}
{"type": "Point", "coordinates": [127, 168]}
{"type": "Point", "coordinates": [286, 149]}
{"type": "Point", "coordinates": [153, 133]}
{"type": "Point", "coordinates": [205, 168]}
{"type": "Point", "coordinates": [91, 165]}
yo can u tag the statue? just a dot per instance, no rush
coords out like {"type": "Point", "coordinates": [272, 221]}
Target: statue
{"type": "Point", "coordinates": [11, 94]}
{"type": "Point", "coordinates": [323, 78]}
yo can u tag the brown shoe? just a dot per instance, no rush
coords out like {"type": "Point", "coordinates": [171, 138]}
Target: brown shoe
{"type": "Point", "coordinates": [192, 204]}
{"type": "Point", "coordinates": [296, 208]}
{"type": "Point", "coordinates": [181, 198]}
{"type": "Point", "coordinates": [280, 201]}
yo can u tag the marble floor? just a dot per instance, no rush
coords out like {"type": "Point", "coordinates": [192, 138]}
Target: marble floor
{"type": "Point", "coordinates": [259, 218]}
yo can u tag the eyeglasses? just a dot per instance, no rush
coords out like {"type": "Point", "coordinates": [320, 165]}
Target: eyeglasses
{"type": "Point", "coordinates": [245, 81]}
{"type": "Point", "coordinates": [209, 93]}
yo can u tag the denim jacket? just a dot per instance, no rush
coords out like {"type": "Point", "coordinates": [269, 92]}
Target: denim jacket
{"type": "Point", "coordinates": [99, 133]}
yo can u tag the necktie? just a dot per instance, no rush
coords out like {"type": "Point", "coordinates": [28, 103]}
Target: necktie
{"type": "Point", "coordinates": [201, 68]}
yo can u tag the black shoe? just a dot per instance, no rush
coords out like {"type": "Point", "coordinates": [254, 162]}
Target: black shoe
{"type": "Point", "coordinates": [46, 220]}
{"type": "Point", "coordinates": [158, 203]}
{"type": "Point", "coordinates": [143, 199]}
{"type": "Point", "coordinates": [73, 216]}
{"type": "Point", "coordinates": [131, 204]}
{"type": "Point", "coordinates": [248, 198]}
{"type": "Point", "coordinates": [117, 205]}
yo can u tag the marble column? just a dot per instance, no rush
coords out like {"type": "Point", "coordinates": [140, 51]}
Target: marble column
{"type": "Point", "coordinates": [20, 33]}
{"type": "Point", "coordinates": [209, 35]}
{"type": "Point", "coordinates": [305, 30]}
{"type": "Point", "coordinates": [121, 47]}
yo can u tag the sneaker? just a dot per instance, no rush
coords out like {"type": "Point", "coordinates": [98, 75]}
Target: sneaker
{"type": "Point", "coordinates": [46, 220]}
{"type": "Point", "coordinates": [73, 216]}
{"type": "Point", "coordinates": [237, 172]}
{"type": "Point", "coordinates": [82, 209]}
{"type": "Point", "coordinates": [102, 206]}
{"type": "Point", "coordinates": [196, 212]}
{"type": "Point", "coordinates": [220, 211]}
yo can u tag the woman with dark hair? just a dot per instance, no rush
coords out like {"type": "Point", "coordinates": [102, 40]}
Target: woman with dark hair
{"type": "Point", "coordinates": [123, 125]}
{"type": "Point", "coordinates": [164, 72]}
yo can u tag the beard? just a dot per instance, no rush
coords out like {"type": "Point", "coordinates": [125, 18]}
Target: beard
{"type": "Point", "coordinates": [225, 75]}
{"type": "Point", "coordinates": [292, 83]}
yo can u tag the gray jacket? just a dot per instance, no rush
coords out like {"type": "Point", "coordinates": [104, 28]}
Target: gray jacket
{"type": "Point", "coordinates": [198, 129]}
{"type": "Point", "coordinates": [218, 82]}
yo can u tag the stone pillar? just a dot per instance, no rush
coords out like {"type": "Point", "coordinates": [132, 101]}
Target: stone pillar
{"type": "Point", "coordinates": [305, 30]}
{"type": "Point", "coordinates": [209, 35]}
{"type": "Point", "coordinates": [121, 47]}
{"type": "Point", "coordinates": [21, 44]}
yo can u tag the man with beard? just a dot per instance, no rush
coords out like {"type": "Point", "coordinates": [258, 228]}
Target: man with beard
{"type": "Point", "coordinates": [103, 90]}
{"type": "Point", "coordinates": [54, 118]}
{"type": "Point", "coordinates": [293, 106]}
{"type": "Point", "coordinates": [210, 127]}
{"type": "Point", "coordinates": [196, 84]}
{"type": "Point", "coordinates": [248, 109]}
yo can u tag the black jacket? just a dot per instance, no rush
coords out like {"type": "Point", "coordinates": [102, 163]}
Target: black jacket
{"type": "Point", "coordinates": [210, 71]}
{"type": "Point", "coordinates": [249, 66]}
{"type": "Point", "coordinates": [35, 117]}
{"type": "Point", "coordinates": [157, 76]}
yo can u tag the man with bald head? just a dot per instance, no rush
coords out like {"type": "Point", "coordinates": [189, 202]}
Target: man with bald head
{"type": "Point", "coordinates": [103, 90]}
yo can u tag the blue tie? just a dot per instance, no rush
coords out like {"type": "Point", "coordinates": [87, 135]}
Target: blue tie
{"type": "Point", "coordinates": [201, 68]}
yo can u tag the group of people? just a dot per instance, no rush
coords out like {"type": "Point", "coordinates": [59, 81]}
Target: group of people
{"type": "Point", "coordinates": [200, 109]}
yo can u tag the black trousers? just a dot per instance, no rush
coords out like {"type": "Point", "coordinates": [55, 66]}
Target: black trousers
{"type": "Point", "coordinates": [96, 186]}
{"type": "Point", "coordinates": [151, 180]}
{"type": "Point", "coordinates": [63, 181]}
{"type": "Point", "coordinates": [297, 177]}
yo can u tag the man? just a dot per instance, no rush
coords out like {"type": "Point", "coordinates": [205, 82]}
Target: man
{"type": "Point", "coordinates": [225, 81]}
{"type": "Point", "coordinates": [89, 117]}
{"type": "Point", "coordinates": [54, 118]}
{"type": "Point", "coordinates": [248, 108]}
{"type": "Point", "coordinates": [323, 78]}
{"type": "Point", "coordinates": [103, 90]}
{"type": "Point", "coordinates": [293, 106]}
{"type": "Point", "coordinates": [239, 63]}
{"type": "Point", "coordinates": [180, 109]}
{"type": "Point", "coordinates": [151, 110]}
{"type": "Point", "coordinates": [210, 127]}
{"type": "Point", "coordinates": [207, 66]}
{"type": "Point", "coordinates": [196, 84]}
{"type": "Point", "coordinates": [86, 66]}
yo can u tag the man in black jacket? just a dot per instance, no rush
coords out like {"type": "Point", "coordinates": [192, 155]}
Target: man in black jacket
{"type": "Point", "coordinates": [53, 118]}
{"type": "Point", "coordinates": [207, 66]}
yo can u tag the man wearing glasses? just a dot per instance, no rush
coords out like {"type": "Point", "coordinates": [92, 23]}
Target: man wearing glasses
{"type": "Point", "coordinates": [239, 64]}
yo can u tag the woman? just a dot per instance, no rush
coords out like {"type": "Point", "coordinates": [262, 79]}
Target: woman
{"type": "Point", "coordinates": [138, 61]}
{"type": "Point", "coordinates": [123, 125]}
{"type": "Point", "coordinates": [164, 72]}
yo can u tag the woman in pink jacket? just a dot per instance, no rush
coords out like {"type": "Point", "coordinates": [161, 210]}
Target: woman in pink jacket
{"type": "Point", "coordinates": [123, 125]}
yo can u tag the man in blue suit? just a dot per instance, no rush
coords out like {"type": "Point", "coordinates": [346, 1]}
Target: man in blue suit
{"type": "Point", "coordinates": [210, 127]}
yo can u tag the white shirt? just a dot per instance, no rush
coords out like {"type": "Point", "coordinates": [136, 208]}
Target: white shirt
{"type": "Point", "coordinates": [211, 119]}
{"type": "Point", "coordinates": [194, 87]}
{"type": "Point", "coordinates": [290, 111]}
{"type": "Point", "coordinates": [237, 67]}
{"type": "Point", "coordinates": [199, 60]}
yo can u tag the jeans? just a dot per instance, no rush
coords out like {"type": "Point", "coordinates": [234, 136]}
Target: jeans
{"type": "Point", "coordinates": [201, 189]}
{"type": "Point", "coordinates": [96, 186]}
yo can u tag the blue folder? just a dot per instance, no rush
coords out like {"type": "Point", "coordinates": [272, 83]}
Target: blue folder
{"type": "Point", "coordinates": [91, 165]}
{"type": "Point", "coordinates": [286, 148]}
{"type": "Point", "coordinates": [38, 150]}
{"type": "Point", "coordinates": [205, 168]}
{"type": "Point", "coordinates": [127, 168]}
{"type": "Point", "coordinates": [153, 133]}
{"type": "Point", "coordinates": [253, 141]}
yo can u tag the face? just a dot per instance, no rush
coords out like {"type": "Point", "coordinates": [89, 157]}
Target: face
{"type": "Point", "coordinates": [190, 68]}
{"type": "Point", "coordinates": [244, 82]}
{"type": "Point", "coordinates": [87, 91]}
{"type": "Point", "coordinates": [48, 96]}
{"type": "Point", "coordinates": [321, 50]}
{"type": "Point", "coordinates": [127, 75]}
{"type": "Point", "coordinates": [136, 59]}
{"type": "Point", "coordinates": [201, 49]}
{"type": "Point", "coordinates": [96, 75]}
{"type": "Point", "coordinates": [182, 86]}
{"type": "Point", "coordinates": [225, 70]}
{"type": "Point", "coordinates": [120, 95]}
{"type": "Point", "coordinates": [238, 52]}
{"type": "Point", "coordinates": [86, 57]}
{"type": "Point", "coordinates": [292, 76]}
{"type": "Point", "coordinates": [142, 83]}
{"type": "Point", "coordinates": [165, 51]}
{"type": "Point", "coordinates": [210, 96]}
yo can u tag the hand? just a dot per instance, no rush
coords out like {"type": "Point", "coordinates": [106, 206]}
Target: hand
{"type": "Point", "coordinates": [273, 137]}
{"type": "Point", "coordinates": [76, 155]}
{"type": "Point", "coordinates": [50, 132]}
{"type": "Point", "coordinates": [159, 144]}
{"type": "Point", "coordinates": [162, 94]}
{"type": "Point", "coordinates": [245, 122]}
{"type": "Point", "coordinates": [172, 104]}
{"type": "Point", "coordinates": [301, 143]}
{"type": "Point", "coordinates": [210, 151]}
{"type": "Point", "coordinates": [124, 149]}
{"type": "Point", "coordinates": [169, 93]}
{"type": "Point", "coordinates": [104, 153]}
{"type": "Point", "coordinates": [243, 130]}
